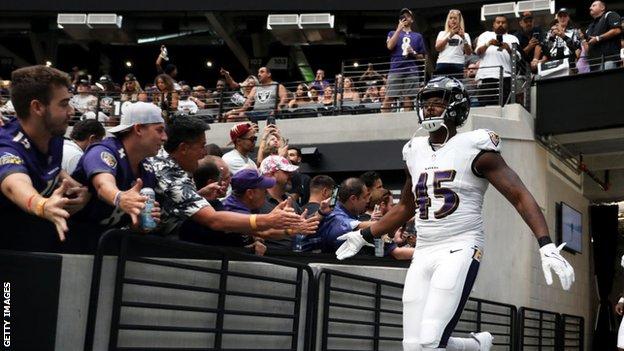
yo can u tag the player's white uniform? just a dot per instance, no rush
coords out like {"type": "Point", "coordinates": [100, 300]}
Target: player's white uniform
{"type": "Point", "coordinates": [449, 197]}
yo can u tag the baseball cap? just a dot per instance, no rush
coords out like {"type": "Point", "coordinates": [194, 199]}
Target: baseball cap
{"type": "Point", "coordinates": [249, 178]}
{"type": "Point", "coordinates": [563, 10]}
{"type": "Point", "coordinates": [139, 113]}
{"type": "Point", "coordinates": [526, 14]}
{"type": "Point", "coordinates": [239, 130]}
{"type": "Point", "coordinates": [275, 163]}
{"type": "Point", "coordinates": [406, 10]}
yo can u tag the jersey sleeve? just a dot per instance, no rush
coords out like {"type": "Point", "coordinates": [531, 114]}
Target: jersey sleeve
{"type": "Point", "coordinates": [11, 162]}
{"type": "Point", "coordinates": [487, 140]}
{"type": "Point", "coordinates": [99, 159]}
{"type": "Point", "coordinates": [406, 149]}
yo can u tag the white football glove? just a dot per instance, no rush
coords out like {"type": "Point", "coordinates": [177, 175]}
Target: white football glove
{"type": "Point", "coordinates": [622, 263]}
{"type": "Point", "coordinates": [551, 259]}
{"type": "Point", "coordinates": [352, 245]}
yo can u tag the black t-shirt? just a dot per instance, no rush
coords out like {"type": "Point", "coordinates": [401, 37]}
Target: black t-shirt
{"type": "Point", "coordinates": [599, 26]}
{"type": "Point", "coordinates": [301, 186]}
{"type": "Point", "coordinates": [268, 206]}
{"type": "Point", "coordinates": [524, 38]}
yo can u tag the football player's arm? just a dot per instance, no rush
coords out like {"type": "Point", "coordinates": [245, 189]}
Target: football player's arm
{"type": "Point", "coordinates": [399, 214]}
{"type": "Point", "coordinates": [18, 188]}
{"type": "Point", "coordinates": [494, 168]}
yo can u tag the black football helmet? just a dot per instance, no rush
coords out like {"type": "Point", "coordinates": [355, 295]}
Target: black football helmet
{"type": "Point", "coordinates": [456, 101]}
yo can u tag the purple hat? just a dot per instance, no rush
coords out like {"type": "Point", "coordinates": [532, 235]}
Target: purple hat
{"type": "Point", "coordinates": [249, 178]}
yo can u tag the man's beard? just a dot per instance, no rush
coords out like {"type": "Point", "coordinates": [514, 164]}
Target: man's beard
{"type": "Point", "coordinates": [55, 128]}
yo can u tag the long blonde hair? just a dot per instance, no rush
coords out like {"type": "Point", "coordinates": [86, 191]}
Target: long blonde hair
{"type": "Point", "coordinates": [460, 18]}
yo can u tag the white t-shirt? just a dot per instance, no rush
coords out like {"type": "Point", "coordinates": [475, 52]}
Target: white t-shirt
{"type": "Point", "coordinates": [494, 57]}
{"type": "Point", "coordinates": [187, 106]}
{"type": "Point", "coordinates": [236, 161]}
{"type": "Point", "coordinates": [454, 50]}
{"type": "Point", "coordinates": [83, 103]}
{"type": "Point", "coordinates": [71, 155]}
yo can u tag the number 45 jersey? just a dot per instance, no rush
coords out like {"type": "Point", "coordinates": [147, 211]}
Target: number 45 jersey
{"type": "Point", "coordinates": [447, 188]}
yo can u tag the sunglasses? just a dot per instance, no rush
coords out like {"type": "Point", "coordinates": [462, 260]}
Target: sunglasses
{"type": "Point", "coordinates": [252, 139]}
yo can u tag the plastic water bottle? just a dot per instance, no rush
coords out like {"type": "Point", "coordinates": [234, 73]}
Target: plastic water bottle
{"type": "Point", "coordinates": [379, 247]}
{"type": "Point", "coordinates": [298, 243]}
{"type": "Point", "coordinates": [147, 221]}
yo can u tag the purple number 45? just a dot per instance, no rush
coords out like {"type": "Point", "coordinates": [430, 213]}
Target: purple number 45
{"type": "Point", "coordinates": [423, 201]}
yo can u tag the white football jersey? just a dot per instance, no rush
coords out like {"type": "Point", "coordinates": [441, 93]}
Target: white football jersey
{"type": "Point", "coordinates": [447, 189]}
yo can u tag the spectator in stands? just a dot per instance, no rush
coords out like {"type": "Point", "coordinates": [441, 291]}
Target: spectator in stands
{"type": "Point", "coordinates": [170, 69]}
{"type": "Point", "coordinates": [238, 98]}
{"type": "Point", "coordinates": [200, 97]}
{"type": "Point", "coordinates": [263, 100]}
{"type": "Point", "coordinates": [166, 97]}
{"type": "Point", "coordinates": [529, 40]}
{"type": "Point", "coordinates": [353, 197]}
{"type": "Point", "coordinates": [116, 169]}
{"type": "Point", "coordinates": [300, 181]}
{"type": "Point", "coordinates": [83, 134]}
{"type": "Point", "coordinates": [186, 105]}
{"type": "Point", "coordinates": [405, 73]}
{"type": "Point", "coordinates": [495, 54]}
{"type": "Point", "coordinates": [371, 95]}
{"type": "Point", "coordinates": [243, 136]}
{"type": "Point", "coordinates": [453, 44]}
{"type": "Point", "coordinates": [371, 78]}
{"type": "Point", "coordinates": [319, 82]}
{"type": "Point", "coordinates": [219, 89]}
{"type": "Point", "coordinates": [181, 201]}
{"type": "Point", "coordinates": [603, 37]}
{"type": "Point", "coordinates": [562, 41]}
{"type": "Point", "coordinates": [321, 189]}
{"type": "Point", "coordinates": [328, 96]}
{"type": "Point", "coordinates": [372, 180]}
{"type": "Point", "coordinates": [382, 200]}
{"type": "Point", "coordinates": [314, 95]}
{"type": "Point", "coordinates": [36, 196]}
{"type": "Point", "coordinates": [349, 94]}
{"type": "Point", "coordinates": [131, 89]}
{"type": "Point", "coordinates": [224, 177]}
{"type": "Point", "coordinates": [214, 150]}
{"type": "Point", "coordinates": [382, 93]}
{"type": "Point", "coordinates": [271, 143]}
{"type": "Point", "coordinates": [301, 97]}
{"type": "Point", "coordinates": [84, 101]}
{"type": "Point", "coordinates": [279, 168]}
{"type": "Point", "coordinates": [470, 83]}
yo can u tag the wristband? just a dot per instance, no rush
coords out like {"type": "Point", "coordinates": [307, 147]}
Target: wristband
{"type": "Point", "coordinates": [544, 240]}
{"type": "Point", "coordinates": [117, 199]}
{"type": "Point", "coordinates": [320, 213]}
{"type": "Point", "coordinates": [598, 38]}
{"type": "Point", "coordinates": [252, 222]}
{"type": "Point", "coordinates": [621, 300]}
{"type": "Point", "coordinates": [39, 210]}
{"type": "Point", "coordinates": [367, 234]}
{"type": "Point", "coordinates": [288, 232]}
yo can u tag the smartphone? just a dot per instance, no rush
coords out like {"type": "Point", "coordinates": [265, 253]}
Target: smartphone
{"type": "Point", "coordinates": [376, 208]}
{"type": "Point", "coordinates": [334, 197]}
{"type": "Point", "coordinates": [536, 35]}
{"type": "Point", "coordinates": [499, 38]}
{"type": "Point", "coordinates": [271, 120]}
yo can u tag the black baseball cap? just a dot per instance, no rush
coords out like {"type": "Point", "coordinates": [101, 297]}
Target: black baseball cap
{"type": "Point", "coordinates": [406, 10]}
{"type": "Point", "coordinates": [563, 10]}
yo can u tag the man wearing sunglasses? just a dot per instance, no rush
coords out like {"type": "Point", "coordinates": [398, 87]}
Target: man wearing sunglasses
{"type": "Point", "coordinates": [243, 137]}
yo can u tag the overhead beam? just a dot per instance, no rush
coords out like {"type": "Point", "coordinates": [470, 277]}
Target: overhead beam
{"type": "Point", "coordinates": [614, 160]}
{"type": "Point", "coordinates": [224, 29]}
{"type": "Point", "coordinates": [594, 135]}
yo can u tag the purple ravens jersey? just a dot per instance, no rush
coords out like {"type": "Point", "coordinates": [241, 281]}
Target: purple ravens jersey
{"type": "Point", "coordinates": [400, 63]}
{"type": "Point", "coordinates": [18, 154]}
{"type": "Point", "coordinates": [109, 156]}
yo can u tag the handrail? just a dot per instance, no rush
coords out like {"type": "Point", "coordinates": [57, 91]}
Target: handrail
{"type": "Point", "coordinates": [125, 249]}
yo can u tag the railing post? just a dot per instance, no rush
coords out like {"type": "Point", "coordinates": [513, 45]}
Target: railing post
{"type": "Point", "coordinates": [220, 114]}
{"type": "Point", "coordinates": [342, 79]}
{"type": "Point", "coordinates": [119, 277]}
{"type": "Point", "coordinates": [218, 340]}
{"type": "Point", "coordinates": [514, 71]}
{"type": "Point", "coordinates": [479, 316]}
{"type": "Point", "coordinates": [326, 298]}
{"type": "Point", "coordinates": [501, 93]}
{"type": "Point", "coordinates": [377, 317]}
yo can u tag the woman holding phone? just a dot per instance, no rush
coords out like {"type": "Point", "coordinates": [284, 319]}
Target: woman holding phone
{"type": "Point", "coordinates": [453, 43]}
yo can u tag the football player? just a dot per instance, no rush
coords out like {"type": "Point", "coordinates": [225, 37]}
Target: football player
{"type": "Point", "coordinates": [448, 174]}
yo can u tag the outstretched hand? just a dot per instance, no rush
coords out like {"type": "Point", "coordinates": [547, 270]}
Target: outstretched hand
{"type": "Point", "coordinates": [354, 242]}
{"type": "Point", "coordinates": [552, 259]}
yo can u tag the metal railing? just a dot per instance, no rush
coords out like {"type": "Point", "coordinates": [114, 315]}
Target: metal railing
{"type": "Point", "coordinates": [572, 332]}
{"type": "Point", "coordinates": [538, 329]}
{"type": "Point", "coordinates": [367, 313]}
{"type": "Point", "coordinates": [198, 303]}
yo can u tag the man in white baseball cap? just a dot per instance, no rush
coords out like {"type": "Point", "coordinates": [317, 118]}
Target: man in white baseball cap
{"type": "Point", "coordinates": [116, 169]}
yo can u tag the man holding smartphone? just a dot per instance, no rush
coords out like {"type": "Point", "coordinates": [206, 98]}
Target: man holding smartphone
{"type": "Point", "coordinates": [530, 39]}
{"type": "Point", "coordinates": [495, 49]}
{"type": "Point", "coordinates": [406, 62]}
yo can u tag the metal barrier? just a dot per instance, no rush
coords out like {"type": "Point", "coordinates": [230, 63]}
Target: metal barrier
{"type": "Point", "coordinates": [375, 314]}
{"type": "Point", "coordinates": [538, 329]}
{"type": "Point", "coordinates": [197, 303]}
{"type": "Point", "coordinates": [572, 332]}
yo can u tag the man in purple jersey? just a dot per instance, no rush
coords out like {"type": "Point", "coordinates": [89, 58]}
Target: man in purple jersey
{"type": "Point", "coordinates": [32, 212]}
{"type": "Point", "coordinates": [406, 72]}
{"type": "Point", "coordinates": [116, 169]}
